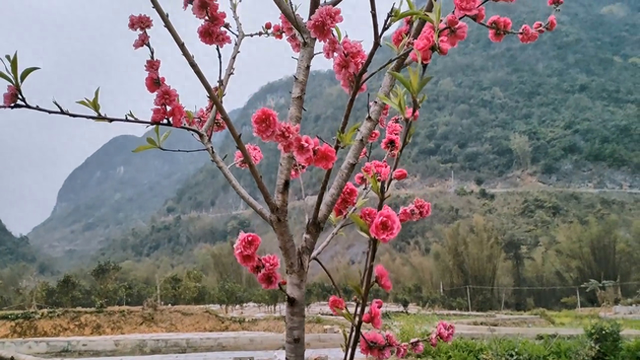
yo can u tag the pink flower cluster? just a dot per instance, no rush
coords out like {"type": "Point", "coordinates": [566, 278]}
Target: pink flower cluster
{"type": "Point", "coordinates": [264, 267]}
{"type": "Point", "coordinates": [374, 315]}
{"type": "Point", "coordinates": [11, 96]}
{"type": "Point", "coordinates": [348, 56]}
{"type": "Point", "coordinates": [382, 278]}
{"type": "Point", "coordinates": [382, 346]}
{"type": "Point", "coordinates": [451, 32]}
{"type": "Point", "coordinates": [140, 23]}
{"type": "Point", "coordinates": [212, 31]}
{"type": "Point", "coordinates": [166, 101]}
{"type": "Point", "coordinates": [418, 210]}
{"type": "Point", "coordinates": [307, 151]}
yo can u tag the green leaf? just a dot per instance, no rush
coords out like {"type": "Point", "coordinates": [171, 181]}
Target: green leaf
{"type": "Point", "coordinates": [14, 65]}
{"type": "Point", "coordinates": [95, 102]}
{"type": "Point", "coordinates": [156, 129]}
{"type": "Point", "coordinates": [402, 80]}
{"type": "Point", "coordinates": [425, 80]}
{"type": "Point", "coordinates": [7, 78]}
{"type": "Point", "coordinates": [437, 7]}
{"type": "Point", "coordinates": [357, 289]}
{"type": "Point", "coordinates": [339, 33]}
{"type": "Point", "coordinates": [362, 226]}
{"type": "Point", "coordinates": [333, 219]}
{"type": "Point", "coordinates": [389, 102]}
{"type": "Point", "coordinates": [347, 316]}
{"type": "Point", "coordinates": [85, 103]}
{"type": "Point", "coordinates": [361, 202]}
{"type": "Point", "coordinates": [408, 13]}
{"type": "Point", "coordinates": [165, 136]}
{"type": "Point", "coordinates": [144, 148]}
{"type": "Point", "coordinates": [411, 5]}
{"type": "Point", "coordinates": [427, 17]}
{"type": "Point", "coordinates": [152, 142]}
{"type": "Point", "coordinates": [375, 185]}
{"type": "Point", "coordinates": [26, 72]}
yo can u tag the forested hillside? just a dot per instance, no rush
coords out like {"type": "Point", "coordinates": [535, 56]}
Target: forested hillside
{"type": "Point", "coordinates": [14, 250]}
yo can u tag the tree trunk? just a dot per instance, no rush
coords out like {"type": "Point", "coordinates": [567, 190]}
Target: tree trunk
{"type": "Point", "coordinates": [295, 315]}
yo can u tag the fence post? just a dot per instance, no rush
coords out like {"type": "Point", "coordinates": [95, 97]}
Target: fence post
{"type": "Point", "coordinates": [503, 293]}
{"type": "Point", "coordinates": [441, 289]}
{"type": "Point", "coordinates": [578, 296]}
{"type": "Point", "coordinates": [469, 298]}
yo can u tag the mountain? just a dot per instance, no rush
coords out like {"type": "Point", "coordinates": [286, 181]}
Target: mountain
{"type": "Point", "coordinates": [14, 250]}
{"type": "Point", "coordinates": [563, 111]}
{"type": "Point", "coordinates": [113, 190]}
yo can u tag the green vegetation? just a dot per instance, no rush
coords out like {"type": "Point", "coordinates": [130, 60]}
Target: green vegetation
{"type": "Point", "coordinates": [13, 249]}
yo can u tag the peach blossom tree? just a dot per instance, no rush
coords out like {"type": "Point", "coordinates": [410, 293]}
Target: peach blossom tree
{"type": "Point", "coordinates": [343, 198]}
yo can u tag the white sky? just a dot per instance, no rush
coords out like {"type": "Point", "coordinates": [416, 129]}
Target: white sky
{"type": "Point", "coordinates": [81, 45]}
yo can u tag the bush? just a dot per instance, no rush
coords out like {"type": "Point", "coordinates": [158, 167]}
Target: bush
{"type": "Point", "coordinates": [605, 340]}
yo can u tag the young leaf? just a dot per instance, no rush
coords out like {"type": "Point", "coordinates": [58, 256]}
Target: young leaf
{"type": "Point", "coordinates": [143, 148]}
{"type": "Point", "coordinates": [425, 80]}
{"type": "Point", "coordinates": [165, 136]}
{"type": "Point", "coordinates": [357, 289]}
{"type": "Point", "coordinates": [375, 185]}
{"type": "Point", "coordinates": [7, 78]}
{"type": "Point", "coordinates": [156, 129]}
{"type": "Point", "coordinates": [362, 226]}
{"type": "Point", "coordinates": [26, 72]}
{"type": "Point", "coordinates": [333, 219]}
{"type": "Point", "coordinates": [390, 102]}
{"type": "Point", "coordinates": [85, 103]}
{"type": "Point", "coordinates": [95, 102]}
{"type": "Point", "coordinates": [14, 65]}
{"type": "Point", "coordinates": [361, 202]}
{"type": "Point", "coordinates": [339, 33]}
{"type": "Point", "coordinates": [402, 80]}
{"type": "Point", "coordinates": [152, 142]}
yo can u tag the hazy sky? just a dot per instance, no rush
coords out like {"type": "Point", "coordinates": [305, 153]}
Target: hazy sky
{"type": "Point", "coordinates": [81, 45]}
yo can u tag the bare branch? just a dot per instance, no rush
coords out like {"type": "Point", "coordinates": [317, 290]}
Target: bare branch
{"type": "Point", "coordinates": [333, 282]}
{"type": "Point", "coordinates": [332, 3]}
{"type": "Point", "coordinates": [181, 150]}
{"type": "Point", "coordinates": [288, 13]}
{"type": "Point", "coordinates": [216, 102]}
{"type": "Point", "coordinates": [101, 118]}
{"type": "Point", "coordinates": [242, 192]}
{"type": "Point", "coordinates": [294, 116]}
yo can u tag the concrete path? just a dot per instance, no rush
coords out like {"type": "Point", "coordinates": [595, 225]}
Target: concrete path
{"type": "Point", "coordinates": [331, 354]}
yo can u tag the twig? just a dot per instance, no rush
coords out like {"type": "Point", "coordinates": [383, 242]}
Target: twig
{"type": "Point", "coordinates": [326, 271]}
{"type": "Point", "coordinates": [181, 150]}
{"type": "Point", "coordinates": [98, 118]}
{"type": "Point", "coordinates": [216, 102]}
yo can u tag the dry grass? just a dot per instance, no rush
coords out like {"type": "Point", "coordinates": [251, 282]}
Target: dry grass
{"type": "Point", "coordinates": [130, 320]}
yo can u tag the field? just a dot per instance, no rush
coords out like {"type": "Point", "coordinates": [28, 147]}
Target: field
{"type": "Point", "coordinates": [186, 319]}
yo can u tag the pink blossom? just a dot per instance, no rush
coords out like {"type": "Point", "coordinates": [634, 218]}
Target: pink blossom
{"type": "Point", "coordinates": [363, 154]}
{"type": "Point", "coordinates": [374, 315]}
{"type": "Point", "coordinates": [368, 214]}
{"type": "Point", "coordinates": [499, 27]}
{"type": "Point", "coordinates": [348, 63]}
{"type": "Point", "coordinates": [551, 23]}
{"type": "Point", "coordinates": [402, 350]}
{"type": "Point", "coordinates": [412, 114]}
{"type": "Point", "coordinates": [331, 47]}
{"type": "Point", "coordinates": [246, 247]}
{"type": "Point", "coordinates": [176, 113]}
{"type": "Point", "coordinates": [269, 279]}
{"type": "Point", "coordinates": [336, 304]}
{"type": "Point", "coordinates": [159, 114]}
{"type": "Point", "coordinates": [265, 124]}
{"type": "Point", "coordinates": [347, 199]}
{"type": "Point", "coordinates": [165, 96]}
{"type": "Point", "coordinates": [400, 174]}
{"type": "Point", "coordinates": [382, 278]}
{"type": "Point", "coordinates": [140, 22]}
{"type": "Point", "coordinates": [270, 262]}
{"type": "Point", "coordinates": [11, 96]}
{"type": "Point", "coordinates": [377, 168]}
{"type": "Point", "coordinates": [291, 33]}
{"type": "Point", "coordinates": [211, 34]}
{"type": "Point", "coordinates": [373, 344]}
{"type": "Point", "coordinates": [527, 35]}
{"type": "Point", "coordinates": [375, 134]}
{"type": "Point", "coordinates": [391, 144]}
{"type": "Point", "coordinates": [325, 157]}
{"type": "Point", "coordinates": [286, 135]}
{"type": "Point", "coordinates": [423, 45]}
{"type": "Point", "coordinates": [445, 331]}
{"type": "Point", "coordinates": [467, 7]}
{"type": "Point", "coordinates": [323, 21]}
{"type": "Point", "coordinates": [433, 340]}
{"type": "Point", "coordinates": [394, 129]}
{"type": "Point", "coordinates": [303, 150]}
{"type": "Point", "coordinates": [152, 66]}
{"type": "Point", "coordinates": [359, 178]}
{"type": "Point", "coordinates": [297, 169]}
{"type": "Point", "coordinates": [457, 30]}
{"type": "Point", "coordinates": [555, 2]}
{"type": "Point", "coordinates": [539, 27]}
{"type": "Point", "coordinates": [255, 153]}
{"type": "Point", "coordinates": [417, 347]}
{"type": "Point", "coordinates": [419, 209]}
{"type": "Point", "coordinates": [142, 40]}
{"type": "Point", "coordinates": [386, 226]}
{"type": "Point", "coordinates": [153, 82]}
{"type": "Point", "coordinates": [480, 16]}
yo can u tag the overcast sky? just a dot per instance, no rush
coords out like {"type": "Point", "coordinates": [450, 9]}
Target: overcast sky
{"type": "Point", "coordinates": [81, 45]}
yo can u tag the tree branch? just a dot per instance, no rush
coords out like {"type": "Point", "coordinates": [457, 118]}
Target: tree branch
{"type": "Point", "coordinates": [216, 102]}
{"type": "Point", "coordinates": [242, 192]}
{"type": "Point", "coordinates": [181, 150]}
{"type": "Point", "coordinates": [369, 124]}
{"type": "Point", "coordinates": [326, 271]}
{"type": "Point", "coordinates": [98, 118]}
{"type": "Point", "coordinates": [288, 13]}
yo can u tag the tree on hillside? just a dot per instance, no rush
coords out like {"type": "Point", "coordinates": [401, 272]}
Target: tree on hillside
{"type": "Point", "coordinates": [395, 108]}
